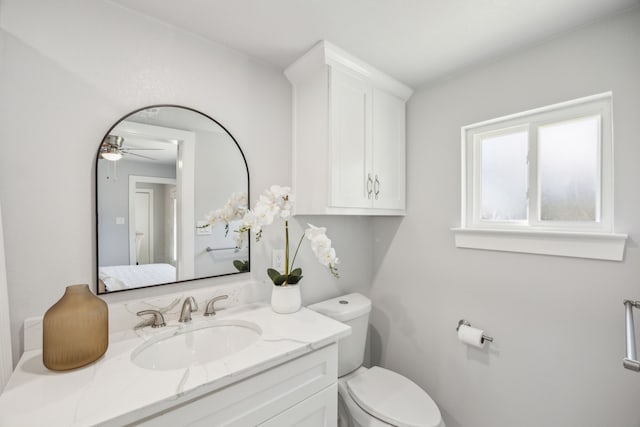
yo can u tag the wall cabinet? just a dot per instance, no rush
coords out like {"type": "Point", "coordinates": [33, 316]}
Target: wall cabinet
{"type": "Point", "coordinates": [348, 136]}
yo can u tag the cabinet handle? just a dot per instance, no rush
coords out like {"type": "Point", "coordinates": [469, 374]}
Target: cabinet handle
{"type": "Point", "coordinates": [376, 187]}
{"type": "Point", "coordinates": [369, 186]}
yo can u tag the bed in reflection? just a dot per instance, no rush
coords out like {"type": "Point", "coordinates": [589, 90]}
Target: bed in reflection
{"type": "Point", "coordinates": [121, 277]}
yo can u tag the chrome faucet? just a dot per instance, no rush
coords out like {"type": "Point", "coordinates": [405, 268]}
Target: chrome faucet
{"type": "Point", "coordinates": [210, 311]}
{"type": "Point", "coordinates": [157, 321]}
{"type": "Point", "coordinates": [188, 306]}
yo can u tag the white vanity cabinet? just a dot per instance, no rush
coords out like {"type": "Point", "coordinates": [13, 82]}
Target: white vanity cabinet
{"type": "Point", "coordinates": [348, 135]}
{"type": "Point", "coordinates": [301, 392]}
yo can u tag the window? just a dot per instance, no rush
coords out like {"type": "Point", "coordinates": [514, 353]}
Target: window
{"type": "Point", "coordinates": [542, 182]}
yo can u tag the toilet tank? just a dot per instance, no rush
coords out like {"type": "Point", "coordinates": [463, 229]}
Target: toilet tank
{"type": "Point", "coordinates": [352, 309]}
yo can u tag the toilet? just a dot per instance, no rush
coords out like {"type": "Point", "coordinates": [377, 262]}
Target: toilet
{"type": "Point", "coordinates": [373, 397]}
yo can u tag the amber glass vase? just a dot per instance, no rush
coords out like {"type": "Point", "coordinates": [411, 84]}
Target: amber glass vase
{"type": "Point", "coordinates": [75, 330]}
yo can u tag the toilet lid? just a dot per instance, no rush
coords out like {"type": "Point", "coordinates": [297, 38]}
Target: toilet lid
{"type": "Point", "coordinates": [394, 399]}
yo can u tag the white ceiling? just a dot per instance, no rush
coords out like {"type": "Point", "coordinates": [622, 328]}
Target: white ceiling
{"type": "Point", "coordinates": [415, 41]}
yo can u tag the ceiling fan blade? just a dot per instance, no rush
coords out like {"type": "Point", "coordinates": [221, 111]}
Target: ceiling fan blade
{"type": "Point", "coordinates": [137, 155]}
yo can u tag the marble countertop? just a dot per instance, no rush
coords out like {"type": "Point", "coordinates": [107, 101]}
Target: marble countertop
{"type": "Point", "coordinates": [114, 391]}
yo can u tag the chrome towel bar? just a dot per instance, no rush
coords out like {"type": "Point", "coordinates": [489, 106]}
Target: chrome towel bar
{"type": "Point", "coordinates": [631, 361]}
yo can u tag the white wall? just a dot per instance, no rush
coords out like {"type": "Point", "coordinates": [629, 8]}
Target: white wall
{"type": "Point", "coordinates": [558, 322]}
{"type": "Point", "coordinates": [6, 356]}
{"type": "Point", "coordinates": [69, 70]}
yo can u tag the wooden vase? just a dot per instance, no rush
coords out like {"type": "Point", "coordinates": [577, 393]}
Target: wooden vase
{"type": "Point", "coordinates": [75, 330]}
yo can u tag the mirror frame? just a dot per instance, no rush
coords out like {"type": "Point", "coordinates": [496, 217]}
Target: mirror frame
{"type": "Point", "coordinates": [97, 219]}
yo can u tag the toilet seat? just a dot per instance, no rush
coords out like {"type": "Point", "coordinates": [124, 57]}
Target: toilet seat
{"type": "Point", "coordinates": [393, 399]}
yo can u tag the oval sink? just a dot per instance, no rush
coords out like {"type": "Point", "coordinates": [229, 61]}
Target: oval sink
{"type": "Point", "coordinates": [196, 344]}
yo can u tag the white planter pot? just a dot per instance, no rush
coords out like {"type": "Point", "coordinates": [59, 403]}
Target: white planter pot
{"type": "Point", "coordinates": [286, 299]}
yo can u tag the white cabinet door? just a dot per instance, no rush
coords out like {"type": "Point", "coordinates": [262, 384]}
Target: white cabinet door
{"type": "Point", "coordinates": [262, 397]}
{"type": "Point", "coordinates": [351, 140]}
{"type": "Point", "coordinates": [319, 410]}
{"type": "Point", "coordinates": [348, 128]}
{"type": "Point", "coordinates": [388, 151]}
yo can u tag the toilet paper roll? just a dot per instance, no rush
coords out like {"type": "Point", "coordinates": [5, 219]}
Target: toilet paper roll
{"type": "Point", "coordinates": [471, 336]}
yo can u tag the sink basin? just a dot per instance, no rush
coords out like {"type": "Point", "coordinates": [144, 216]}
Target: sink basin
{"type": "Point", "coordinates": [196, 344]}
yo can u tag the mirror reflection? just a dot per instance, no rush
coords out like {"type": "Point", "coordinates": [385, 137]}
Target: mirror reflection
{"type": "Point", "coordinates": [160, 173]}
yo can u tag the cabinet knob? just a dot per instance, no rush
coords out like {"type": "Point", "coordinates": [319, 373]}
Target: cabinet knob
{"type": "Point", "coordinates": [369, 186]}
{"type": "Point", "coordinates": [376, 187]}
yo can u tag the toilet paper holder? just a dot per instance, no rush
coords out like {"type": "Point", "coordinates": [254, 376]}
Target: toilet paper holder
{"type": "Point", "coordinates": [466, 323]}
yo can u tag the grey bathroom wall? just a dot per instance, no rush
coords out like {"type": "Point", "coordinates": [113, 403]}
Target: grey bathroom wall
{"type": "Point", "coordinates": [69, 70]}
{"type": "Point", "coordinates": [558, 323]}
{"type": "Point", "coordinates": [114, 196]}
{"type": "Point", "coordinates": [220, 171]}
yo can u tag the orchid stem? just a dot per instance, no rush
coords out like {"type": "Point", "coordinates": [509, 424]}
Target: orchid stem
{"type": "Point", "coordinates": [286, 248]}
{"type": "Point", "coordinates": [296, 252]}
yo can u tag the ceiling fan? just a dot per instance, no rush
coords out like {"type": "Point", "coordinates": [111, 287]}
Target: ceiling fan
{"type": "Point", "coordinates": [112, 149]}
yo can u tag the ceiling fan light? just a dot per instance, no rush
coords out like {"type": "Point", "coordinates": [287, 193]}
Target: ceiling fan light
{"type": "Point", "coordinates": [111, 155]}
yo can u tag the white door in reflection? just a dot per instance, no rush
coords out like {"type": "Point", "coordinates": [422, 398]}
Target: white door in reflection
{"type": "Point", "coordinates": [143, 226]}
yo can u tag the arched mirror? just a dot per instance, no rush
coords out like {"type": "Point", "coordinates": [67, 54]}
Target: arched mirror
{"type": "Point", "coordinates": [161, 172]}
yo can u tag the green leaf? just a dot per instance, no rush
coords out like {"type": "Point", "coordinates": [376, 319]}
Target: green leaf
{"type": "Point", "coordinates": [272, 273]}
{"type": "Point", "coordinates": [292, 280]}
{"type": "Point", "coordinates": [296, 272]}
{"type": "Point", "coordinates": [241, 266]}
{"type": "Point", "coordinates": [278, 281]}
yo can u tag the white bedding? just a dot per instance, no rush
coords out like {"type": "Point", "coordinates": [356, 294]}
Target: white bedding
{"type": "Point", "coordinates": [118, 277]}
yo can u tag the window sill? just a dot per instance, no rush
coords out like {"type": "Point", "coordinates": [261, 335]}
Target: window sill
{"type": "Point", "coordinates": [608, 246]}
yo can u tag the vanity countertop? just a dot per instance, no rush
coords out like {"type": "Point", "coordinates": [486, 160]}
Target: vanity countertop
{"type": "Point", "coordinates": [114, 391]}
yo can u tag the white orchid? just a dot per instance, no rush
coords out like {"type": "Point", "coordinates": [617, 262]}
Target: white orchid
{"type": "Point", "coordinates": [277, 202]}
{"type": "Point", "coordinates": [312, 232]}
{"type": "Point", "coordinates": [320, 244]}
{"type": "Point", "coordinates": [321, 247]}
{"type": "Point", "coordinates": [234, 209]}
{"type": "Point", "coordinates": [239, 239]}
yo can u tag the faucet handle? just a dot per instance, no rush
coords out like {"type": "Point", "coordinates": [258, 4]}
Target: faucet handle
{"type": "Point", "coordinates": [158, 318]}
{"type": "Point", "coordinates": [210, 311]}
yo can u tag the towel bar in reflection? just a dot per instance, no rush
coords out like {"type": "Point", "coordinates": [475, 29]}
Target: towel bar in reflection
{"type": "Point", "coordinates": [631, 361]}
{"type": "Point", "coordinates": [210, 249]}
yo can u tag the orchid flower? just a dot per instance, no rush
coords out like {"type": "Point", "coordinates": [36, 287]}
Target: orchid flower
{"type": "Point", "coordinates": [277, 203]}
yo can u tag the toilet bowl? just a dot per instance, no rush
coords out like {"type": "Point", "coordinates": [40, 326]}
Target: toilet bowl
{"type": "Point", "coordinates": [372, 397]}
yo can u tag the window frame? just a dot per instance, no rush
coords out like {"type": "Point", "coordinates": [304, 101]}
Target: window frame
{"type": "Point", "coordinates": [476, 233]}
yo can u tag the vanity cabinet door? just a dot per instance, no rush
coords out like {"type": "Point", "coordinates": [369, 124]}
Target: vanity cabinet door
{"type": "Point", "coordinates": [388, 168]}
{"type": "Point", "coordinates": [319, 410]}
{"type": "Point", "coordinates": [351, 151]}
{"type": "Point", "coordinates": [261, 397]}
